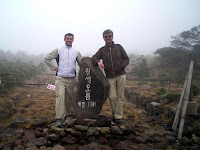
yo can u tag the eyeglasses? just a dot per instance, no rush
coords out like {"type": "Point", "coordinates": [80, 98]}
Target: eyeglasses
{"type": "Point", "coordinates": [107, 36]}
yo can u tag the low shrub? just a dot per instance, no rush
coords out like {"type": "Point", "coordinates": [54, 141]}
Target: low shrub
{"type": "Point", "coordinates": [195, 90]}
{"type": "Point", "coordinates": [173, 97]}
{"type": "Point", "coordinates": [161, 91]}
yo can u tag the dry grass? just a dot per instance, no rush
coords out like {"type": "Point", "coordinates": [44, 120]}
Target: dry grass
{"type": "Point", "coordinates": [32, 102]}
{"type": "Point", "coordinates": [37, 102]}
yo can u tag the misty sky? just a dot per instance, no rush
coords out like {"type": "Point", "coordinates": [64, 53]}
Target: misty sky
{"type": "Point", "coordinates": [140, 26]}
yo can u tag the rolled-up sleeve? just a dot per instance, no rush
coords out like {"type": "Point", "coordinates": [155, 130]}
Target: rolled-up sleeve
{"type": "Point", "coordinates": [48, 59]}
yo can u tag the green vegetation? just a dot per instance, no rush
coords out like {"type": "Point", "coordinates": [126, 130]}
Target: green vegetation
{"type": "Point", "coordinates": [16, 72]}
{"type": "Point", "coordinates": [142, 83]}
{"type": "Point", "coordinates": [3, 90]}
{"type": "Point", "coordinates": [173, 97]}
{"type": "Point", "coordinates": [141, 67]}
{"type": "Point", "coordinates": [195, 90]}
{"type": "Point", "coordinates": [7, 109]}
{"type": "Point", "coordinates": [196, 57]}
{"type": "Point", "coordinates": [161, 91]}
{"type": "Point", "coordinates": [153, 85]}
{"type": "Point", "coordinates": [187, 39]}
{"type": "Point", "coordinates": [184, 47]}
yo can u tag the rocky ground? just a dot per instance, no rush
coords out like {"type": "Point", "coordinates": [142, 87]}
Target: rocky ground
{"type": "Point", "coordinates": [145, 125]}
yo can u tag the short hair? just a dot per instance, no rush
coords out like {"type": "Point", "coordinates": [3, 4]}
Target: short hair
{"type": "Point", "coordinates": [107, 32]}
{"type": "Point", "coordinates": [69, 34]}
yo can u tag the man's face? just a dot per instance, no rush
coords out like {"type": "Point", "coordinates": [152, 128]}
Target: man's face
{"type": "Point", "coordinates": [68, 40]}
{"type": "Point", "coordinates": [108, 38]}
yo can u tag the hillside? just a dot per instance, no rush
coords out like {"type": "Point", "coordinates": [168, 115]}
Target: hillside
{"type": "Point", "coordinates": [31, 107]}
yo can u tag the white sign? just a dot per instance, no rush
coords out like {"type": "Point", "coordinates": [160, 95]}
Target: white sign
{"type": "Point", "coordinates": [89, 103]}
{"type": "Point", "coordinates": [88, 78]}
{"type": "Point", "coordinates": [81, 104]}
{"type": "Point", "coordinates": [92, 104]}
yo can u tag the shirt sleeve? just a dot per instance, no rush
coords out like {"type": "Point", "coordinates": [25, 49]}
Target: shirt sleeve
{"type": "Point", "coordinates": [48, 59]}
{"type": "Point", "coordinates": [125, 58]}
{"type": "Point", "coordinates": [96, 58]}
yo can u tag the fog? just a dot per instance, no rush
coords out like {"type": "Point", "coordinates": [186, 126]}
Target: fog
{"type": "Point", "coordinates": [140, 26]}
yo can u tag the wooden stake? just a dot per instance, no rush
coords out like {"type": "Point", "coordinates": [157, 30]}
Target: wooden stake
{"type": "Point", "coordinates": [186, 99]}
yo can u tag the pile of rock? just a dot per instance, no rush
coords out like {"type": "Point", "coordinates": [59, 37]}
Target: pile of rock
{"type": "Point", "coordinates": [84, 134]}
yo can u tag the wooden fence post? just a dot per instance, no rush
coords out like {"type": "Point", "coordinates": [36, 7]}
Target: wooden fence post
{"type": "Point", "coordinates": [183, 102]}
{"type": "Point", "coordinates": [179, 108]}
{"type": "Point", "coordinates": [186, 99]}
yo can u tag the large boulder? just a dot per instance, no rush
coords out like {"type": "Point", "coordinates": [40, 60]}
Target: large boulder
{"type": "Point", "coordinates": [93, 89]}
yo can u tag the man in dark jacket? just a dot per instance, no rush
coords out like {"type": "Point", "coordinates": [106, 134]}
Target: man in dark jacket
{"type": "Point", "coordinates": [115, 60]}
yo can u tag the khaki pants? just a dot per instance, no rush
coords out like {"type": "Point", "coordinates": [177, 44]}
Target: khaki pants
{"type": "Point", "coordinates": [64, 96]}
{"type": "Point", "coordinates": [116, 95]}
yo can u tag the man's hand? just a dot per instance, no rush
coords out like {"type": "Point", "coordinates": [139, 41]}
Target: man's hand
{"type": "Point", "coordinates": [56, 69]}
{"type": "Point", "coordinates": [83, 57]}
{"type": "Point", "coordinates": [100, 64]}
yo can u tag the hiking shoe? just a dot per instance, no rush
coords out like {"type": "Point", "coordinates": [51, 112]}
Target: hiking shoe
{"type": "Point", "coordinates": [117, 121]}
{"type": "Point", "coordinates": [59, 123]}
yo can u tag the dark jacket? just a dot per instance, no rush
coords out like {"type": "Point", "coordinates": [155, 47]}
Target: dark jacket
{"type": "Point", "coordinates": [114, 59]}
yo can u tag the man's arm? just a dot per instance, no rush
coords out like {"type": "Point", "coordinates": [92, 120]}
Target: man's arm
{"type": "Point", "coordinates": [125, 58]}
{"type": "Point", "coordinates": [96, 57]}
{"type": "Point", "coordinates": [49, 58]}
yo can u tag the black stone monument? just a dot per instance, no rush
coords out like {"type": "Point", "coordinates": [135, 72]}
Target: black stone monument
{"type": "Point", "coordinates": [92, 92]}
